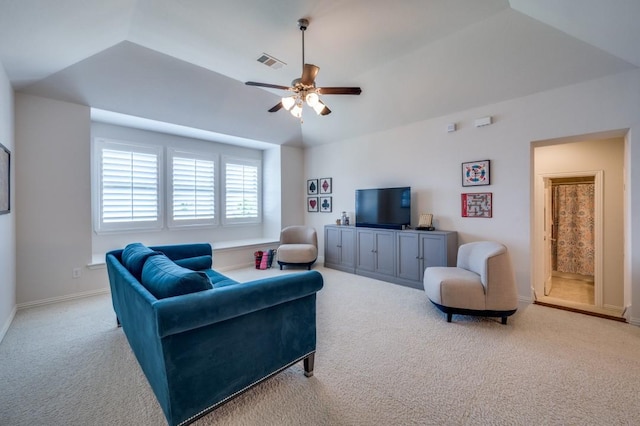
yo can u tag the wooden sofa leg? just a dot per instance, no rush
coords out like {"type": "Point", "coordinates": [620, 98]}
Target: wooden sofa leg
{"type": "Point", "coordinates": [449, 316]}
{"type": "Point", "coordinates": [504, 320]}
{"type": "Point", "coordinates": [308, 364]}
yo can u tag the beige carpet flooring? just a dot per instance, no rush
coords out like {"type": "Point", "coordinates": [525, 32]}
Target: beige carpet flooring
{"type": "Point", "coordinates": [385, 356]}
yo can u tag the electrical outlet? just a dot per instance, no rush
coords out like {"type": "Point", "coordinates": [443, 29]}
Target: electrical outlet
{"type": "Point", "coordinates": [76, 272]}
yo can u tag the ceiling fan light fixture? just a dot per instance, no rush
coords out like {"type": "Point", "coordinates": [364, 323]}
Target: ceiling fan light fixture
{"type": "Point", "coordinates": [304, 88]}
{"type": "Point", "coordinates": [296, 111]}
{"type": "Point", "coordinates": [312, 99]}
{"type": "Point", "coordinates": [288, 102]}
{"type": "Point", "coordinates": [319, 107]}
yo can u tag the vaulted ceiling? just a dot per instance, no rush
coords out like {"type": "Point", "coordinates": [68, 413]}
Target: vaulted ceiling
{"type": "Point", "coordinates": [185, 61]}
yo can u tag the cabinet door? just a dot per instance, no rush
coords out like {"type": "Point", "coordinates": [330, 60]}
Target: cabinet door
{"type": "Point", "coordinates": [408, 261]}
{"type": "Point", "coordinates": [347, 242]}
{"type": "Point", "coordinates": [333, 245]}
{"type": "Point", "coordinates": [385, 251]}
{"type": "Point", "coordinates": [433, 250]}
{"type": "Point", "coordinates": [365, 250]}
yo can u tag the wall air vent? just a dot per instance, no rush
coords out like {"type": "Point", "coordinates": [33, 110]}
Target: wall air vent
{"type": "Point", "coordinates": [270, 61]}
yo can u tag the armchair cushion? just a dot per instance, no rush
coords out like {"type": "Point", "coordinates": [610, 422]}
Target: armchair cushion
{"type": "Point", "coordinates": [163, 278]}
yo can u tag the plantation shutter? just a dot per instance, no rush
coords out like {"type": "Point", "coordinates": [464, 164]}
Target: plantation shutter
{"type": "Point", "coordinates": [241, 191]}
{"type": "Point", "coordinates": [193, 189]}
{"type": "Point", "coordinates": [130, 182]}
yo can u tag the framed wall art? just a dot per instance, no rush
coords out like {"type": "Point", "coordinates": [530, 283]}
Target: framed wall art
{"type": "Point", "coordinates": [325, 186]}
{"type": "Point", "coordinates": [325, 204]}
{"type": "Point", "coordinates": [5, 184]}
{"type": "Point", "coordinates": [312, 204]}
{"type": "Point", "coordinates": [312, 186]}
{"type": "Point", "coordinates": [476, 173]}
{"type": "Point", "coordinates": [479, 204]}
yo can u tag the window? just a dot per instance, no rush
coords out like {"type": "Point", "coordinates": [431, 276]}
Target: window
{"type": "Point", "coordinates": [135, 189]}
{"type": "Point", "coordinates": [129, 186]}
{"type": "Point", "coordinates": [192, 189]}
{"type": "Point", "coordinates": [241, 190]}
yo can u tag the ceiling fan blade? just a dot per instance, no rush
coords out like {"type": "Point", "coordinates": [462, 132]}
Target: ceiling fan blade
{"type": "Point", "coordinates": [276, 107]}
{"type": "Point", "coordinates": [339, 90]}
{"type": "Point", "coordinates": [272, 86]}
{"type": "Point", "coordinates": [309, 74]}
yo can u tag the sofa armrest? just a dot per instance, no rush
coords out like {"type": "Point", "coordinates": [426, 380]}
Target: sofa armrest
{"type": "Point", "coordinates": [178, 314]}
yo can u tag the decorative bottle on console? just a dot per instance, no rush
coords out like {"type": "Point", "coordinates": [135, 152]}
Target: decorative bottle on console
{"type": "Point", "coordinates": [344, 220]}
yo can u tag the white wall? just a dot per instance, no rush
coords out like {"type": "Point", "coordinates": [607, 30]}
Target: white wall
{"type": "Point", "coordinates": [53, 193]}
{"type": "Point", "coordinates": [426, 157]}
{"type": "Point", "coordinates": [7, 221]}
{"type": "Point", "coordinates": [54, 230]}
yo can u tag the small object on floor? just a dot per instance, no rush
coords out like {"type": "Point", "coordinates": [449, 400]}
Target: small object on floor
{"type": "Point", "coordinates": [258, 258]}
{"type": "Point", "coordinates": [264, 260]}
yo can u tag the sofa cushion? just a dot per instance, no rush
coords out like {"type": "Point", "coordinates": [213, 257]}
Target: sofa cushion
{"type": "Point", "coordinates": [134, 256]}
{"type": "Point", "coordinates": [163, 278]}
{"type": "Point", "coordinates": [197, 263]}
{"type": "Point", "coordinates": [218, 280]}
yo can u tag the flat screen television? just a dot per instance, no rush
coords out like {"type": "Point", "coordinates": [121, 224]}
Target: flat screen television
{"type": "Point", "coordinates": [383, 207]}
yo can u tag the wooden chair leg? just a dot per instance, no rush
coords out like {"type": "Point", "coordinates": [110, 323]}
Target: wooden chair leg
{"type": "Point", "coordinates": [449, 316]}
{"type": "Point", "coordinates": [308, 364]}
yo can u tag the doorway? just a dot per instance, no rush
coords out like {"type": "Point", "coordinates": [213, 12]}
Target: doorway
{"type": "Point", "coordinates": [578, 225]}
{"type": "Point", "coordinates": [570, 222]}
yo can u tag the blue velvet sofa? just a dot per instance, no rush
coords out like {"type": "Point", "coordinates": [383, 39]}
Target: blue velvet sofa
{"type": "Point", "coordinates": [202, 338]}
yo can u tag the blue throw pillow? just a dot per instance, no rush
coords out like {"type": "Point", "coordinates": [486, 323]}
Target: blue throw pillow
{"type": "Point", "coordinates": [163, 278]}
{"type": "Point", "coordinates": [196, 263]}
{"type": "Point", "coordinates": [134, 256]}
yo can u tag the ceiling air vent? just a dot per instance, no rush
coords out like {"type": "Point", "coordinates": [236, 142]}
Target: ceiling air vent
{"type": "Point", "coordinates": [270, 61]}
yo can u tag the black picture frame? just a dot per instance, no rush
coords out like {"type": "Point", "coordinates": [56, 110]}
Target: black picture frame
{"type": "Point", "coordinates": [312, 204]}
{"type": "Point", "coordinates": [312, 187]}
{"type": "Point", "coordinates": [326, 204]}
{"type": "Point", "coordinates": [325, 185]}
{"type": "Point", "coordinates": [476, 173]}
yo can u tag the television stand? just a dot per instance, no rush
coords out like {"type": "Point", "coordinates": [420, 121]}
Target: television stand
{"type": "Point", "coordinates": [397, 256]}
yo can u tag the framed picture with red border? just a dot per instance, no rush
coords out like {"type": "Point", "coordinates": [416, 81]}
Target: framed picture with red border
{"type": "Point", "coordinates": [478, 204]}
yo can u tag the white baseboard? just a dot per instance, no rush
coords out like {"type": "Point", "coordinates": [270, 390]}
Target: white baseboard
{"type": "Point", "coordinates": [525, 299]}
{"type": "Point", "coordinates": [634, 321]}
{"type": "Point", "coordinates": [5, 326]}
{"type": "Point", "coordinates": [65, 298]}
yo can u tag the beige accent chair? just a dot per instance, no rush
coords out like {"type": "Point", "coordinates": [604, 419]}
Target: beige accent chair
{"type": "Point", "coordinates": [482, 283]}
{"type": "Point", "coordinates": [298, 246]}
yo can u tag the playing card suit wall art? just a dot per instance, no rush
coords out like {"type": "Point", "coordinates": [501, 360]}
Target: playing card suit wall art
{"type": "Point", "coordinates": [325, 186]}
{"type": "Point", "coordinates": [312, 186]}
{"type": "Point", "coordinates": [319, 187]}
{"type": "Point", "coordinates": [312, 204]}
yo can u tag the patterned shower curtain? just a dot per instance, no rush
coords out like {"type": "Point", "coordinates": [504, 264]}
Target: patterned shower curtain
{"type": "Point", "coordinates": [573, 211]}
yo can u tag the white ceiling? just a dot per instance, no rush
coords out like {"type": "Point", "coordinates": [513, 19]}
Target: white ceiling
{"type": "Point", "coordinates": [185, 61]}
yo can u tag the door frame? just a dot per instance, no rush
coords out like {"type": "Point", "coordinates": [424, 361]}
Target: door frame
{"type": "Point", "coordinates": [541, 266]}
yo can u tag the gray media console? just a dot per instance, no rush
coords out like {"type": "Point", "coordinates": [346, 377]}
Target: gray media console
{"type": "Point", "coordinates": [390, 255]}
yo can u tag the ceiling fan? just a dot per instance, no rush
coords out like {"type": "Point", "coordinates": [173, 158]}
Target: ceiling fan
{"type": "Point", "coordinates": [304, 88]}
